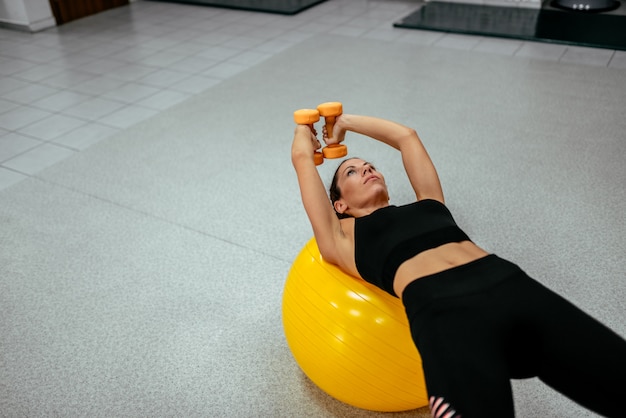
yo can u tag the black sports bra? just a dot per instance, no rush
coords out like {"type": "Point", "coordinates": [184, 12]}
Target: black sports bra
{"type": "Point", "coordinates": [389, 236]}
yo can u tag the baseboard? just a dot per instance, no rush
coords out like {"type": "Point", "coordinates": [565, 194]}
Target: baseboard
{"type": "Point", "coordinates": [31, 27]}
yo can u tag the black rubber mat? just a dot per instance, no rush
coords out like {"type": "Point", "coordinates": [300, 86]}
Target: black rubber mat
{"type": "Point", "coordinates": [548, 24]}
{"type": "Point", "coordinates": [285, 7]}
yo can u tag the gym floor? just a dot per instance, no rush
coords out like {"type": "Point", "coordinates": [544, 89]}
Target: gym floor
{"type": "Point", "coordinates": [67, 88]}
{"type": "Point", "coordinates": [136, 279]}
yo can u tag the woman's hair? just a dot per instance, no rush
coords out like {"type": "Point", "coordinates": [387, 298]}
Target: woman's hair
{"type": "Point", "coordinates": [334, 191]}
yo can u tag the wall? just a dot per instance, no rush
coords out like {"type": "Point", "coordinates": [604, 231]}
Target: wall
{"type": "Point", "coordinates": [27, 15]}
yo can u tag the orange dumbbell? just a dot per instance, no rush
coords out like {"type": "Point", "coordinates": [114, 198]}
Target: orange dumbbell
{"type": "Point", "coordinates": [309, 117]}
{"type": "Point", "coordinates": [330, 111]}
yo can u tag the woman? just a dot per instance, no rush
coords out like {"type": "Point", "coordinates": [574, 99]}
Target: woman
{"type": "Point", "coordinates": [477, 320]}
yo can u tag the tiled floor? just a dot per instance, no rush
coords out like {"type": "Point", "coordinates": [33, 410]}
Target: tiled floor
{"type": "Point", "coordinates": [64, 89]}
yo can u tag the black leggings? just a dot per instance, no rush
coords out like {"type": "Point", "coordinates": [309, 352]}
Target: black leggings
{"type": "Point", "coordinates": [481, 324]}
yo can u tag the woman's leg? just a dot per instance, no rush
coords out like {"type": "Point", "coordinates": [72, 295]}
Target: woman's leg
{"type": "Point", "coordinates": [579, 356]}
{"type": "Point", "coordinates": [463, 360]}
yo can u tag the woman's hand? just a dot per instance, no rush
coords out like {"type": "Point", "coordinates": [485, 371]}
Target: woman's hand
{"type": "Point", "coordinates": [337, 135]}
{"type": "Point", "coordinates": [305, 142]}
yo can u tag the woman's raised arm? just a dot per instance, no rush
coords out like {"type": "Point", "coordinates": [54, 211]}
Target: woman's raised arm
{"type": "Point", "coordinates": [326, 225]}
{"type": "Point", "coordinates": [417, 163]}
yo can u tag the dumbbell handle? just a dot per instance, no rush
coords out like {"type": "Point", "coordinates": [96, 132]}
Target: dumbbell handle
{"type": "Point", "coordinates": [330, 111]}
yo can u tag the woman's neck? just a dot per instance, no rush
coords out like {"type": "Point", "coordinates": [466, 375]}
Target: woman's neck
{"type": "Point", "coordinates": [367, 210]}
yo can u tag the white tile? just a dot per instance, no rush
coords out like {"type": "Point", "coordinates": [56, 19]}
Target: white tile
{"type": "Point", "coordinates": [259, 19]}
{"type": "Point", "coordinates": [456, 41]}
{"type": "Point", "coordinates": [68, 78]}
{"type": "Point", "coordinates": [52, 127]}
{"type": "Point", "coordinates": [41, 157]}
{"type": "Point", "coordinates": [274, 46]}
{"type": "Point", "coordinates": [193, 65]}
{"type": "Point", "coordinates": [243, 42]}
{"type": "Point", "coordinates": [68, 43]}
{"type": "Point", "coordinates": [318, 27]}
{"type": "Point", "coordinates": [286, 23]}
{"type": "Point", "coordinates": [163, 78]}
{"type": "Point", "coordinates": [98, 85]}
{"type": "Point", "coordinates": [94, 108]}
{"type": "Point", "coordinates": [265, 32]}
{"type": "Point", "coordinates": [219, 52]}
{"type": "Point", "coordinates": [296, 36]}
{"type": "Point", "coordinates": [134, 54]}
{"type": "Point", "coordinates": [101, 66]}
{"type": "Point", "coordinates": [499, 46]}
{"type": "Point", "coordinates": [73, 60]}
{"type": "Point", "coordinates": [131, 92]}
{"type": "Point", "coordinates": [14, 144]}
{"type": "Point", "coordinates": [164, 99]}
{"type": "Point", "coordinates": [29, 93]}
{"type": "Point", "coordinates": [225, 70]}
{"type": "Point", "coordinates": [8, 84]}
{"type": "Point", "coordinates": [60, 101]}
{"type": "Point", "coordinates": [9, 178]}
{"type": "Point", "coordinates": [33, 53]}
{"type": "Point", "coordinates": [420, 37]}
{"type": "Point", "coordinates": [21, 116]}
{"type": "Point", "coordinates": [618, 60]}
{"type": "Point", "coordinates": [213, 38]}
{"type": "Point", "coordinates": [185, 37]}
{"type": "Point", "coordinates": [196, 84]}
{"type": "Point", "coordinates": [161, 43]}
{"type": "Point", "coordinates": [85, 136]}
{"type": "Point", "coordinates": [131, 72]}
{"type": "Point", "coordinates": [587, 56]}
{"type": "Point", "coordinates": [104, 49]}
{"type": "Point", "coordinates": [365, 22]}
{"type": "Point", "coordinates": [135, 39]}
{"type": "Point", "coordinates": [347, 30]}
{"type": "Point", "coordinates": [236, 28]}
{"type": "Point", "coordinates": [5, 106]}
{"type": "Point", "coordinates": [383, 34]}
{"type": "Point", "coordinates": [39, 72]}
{"type": "Point", "coordinates": [250, 58]}
{"type": "Point", "coordinates": [188, 48]}
{"type": "Point", "coordinates": [161, 59]}
{"type": "Point", "coordinates": [337, 19]}
{"type": "Point", "coordinates": [128, 116]}
{"type": "Point", "coordinates": [543, 51]}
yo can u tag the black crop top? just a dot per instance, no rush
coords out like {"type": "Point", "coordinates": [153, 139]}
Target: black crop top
{"type": "Point", "coordinates": [391, 235]}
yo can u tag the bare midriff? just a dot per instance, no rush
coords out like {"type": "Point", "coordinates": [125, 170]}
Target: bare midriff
{"type": "Point", "coordinates": [434, 261]}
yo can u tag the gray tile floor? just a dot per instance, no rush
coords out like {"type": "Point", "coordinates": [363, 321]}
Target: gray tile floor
{"type": "Point", "coordinates": [64, 89]}
{"type": "Point", "coordinates": [136, 278]}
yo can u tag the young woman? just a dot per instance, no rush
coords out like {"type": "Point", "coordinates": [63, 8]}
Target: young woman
{"type": "Point", "coordinates": [477, 320]}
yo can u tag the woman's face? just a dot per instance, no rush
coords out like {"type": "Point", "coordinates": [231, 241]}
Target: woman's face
{"type": "Point", "coordinates": [361, 185]}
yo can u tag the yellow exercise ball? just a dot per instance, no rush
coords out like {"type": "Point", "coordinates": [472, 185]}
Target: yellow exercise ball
{"type": "Point", "coordinates": [350, 338]}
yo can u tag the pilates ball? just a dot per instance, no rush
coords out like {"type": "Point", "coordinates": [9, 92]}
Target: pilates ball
{"type": "Point", "coordinates": [350, 338]}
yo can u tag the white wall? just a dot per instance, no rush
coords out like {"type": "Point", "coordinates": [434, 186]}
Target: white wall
{"type": "Point", "coordinates": [28, 15]}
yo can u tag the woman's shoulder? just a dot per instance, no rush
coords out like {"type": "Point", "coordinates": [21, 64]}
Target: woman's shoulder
{"type": "Point", "coordinates": [344, 251]}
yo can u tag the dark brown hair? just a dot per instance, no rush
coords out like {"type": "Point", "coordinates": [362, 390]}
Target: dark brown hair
{"type": "Point", "coordinates": [334, 191]}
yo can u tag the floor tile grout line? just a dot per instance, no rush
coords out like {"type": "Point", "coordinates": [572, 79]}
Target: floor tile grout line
{"type": "Point", "coordinates": [611, 59]}
{"type": "Point", "coordinates": [155, 217]}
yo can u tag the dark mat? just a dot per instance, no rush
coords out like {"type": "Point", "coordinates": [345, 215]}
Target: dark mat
{"type": "Point", "coordinates": [285, 7]}
{"type": "Point", "coordinates": [548, 24]}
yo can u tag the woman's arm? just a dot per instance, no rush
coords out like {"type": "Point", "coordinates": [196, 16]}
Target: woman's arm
{"type": "Point", "coordinates": [326, 225]}
{"type": "Point", "coordinates": [417, 163]}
